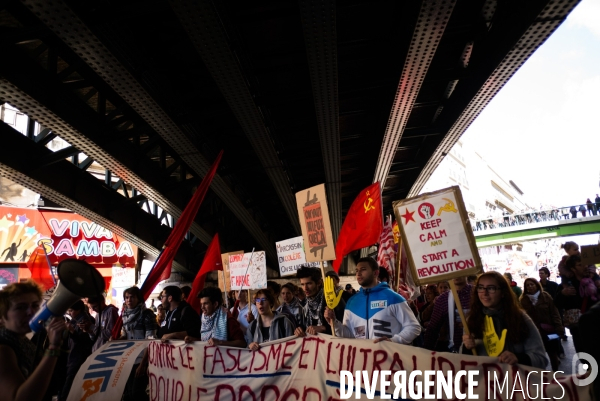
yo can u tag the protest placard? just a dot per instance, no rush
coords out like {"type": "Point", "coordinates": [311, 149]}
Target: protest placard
{"type": "Point", "coordinates": [246, 275]}
{"type": "Point", "coordinates": [590, 255]}
{"type": "Point", "coordinates": [315, 224]}
{"type": "Point", "coordinates": [437, 236]}
{"type": "Point", "coordinates": [311, 368]}
{"type": "Point", "coordinates": [290, 254]}
{"type": "Point", "coordinates": [226, 285]}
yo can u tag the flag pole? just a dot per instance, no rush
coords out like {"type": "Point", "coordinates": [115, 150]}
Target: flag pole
{"type": "Point", "coordinates": [225, 289]}
{"type": "Point", "coordinates": [398, 264]}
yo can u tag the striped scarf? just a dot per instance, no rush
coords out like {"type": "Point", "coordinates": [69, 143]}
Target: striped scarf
{"type": "Point", "coordinates": [214, 326]}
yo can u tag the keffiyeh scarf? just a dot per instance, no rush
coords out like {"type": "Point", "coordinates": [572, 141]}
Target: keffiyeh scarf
{"type": "Point", "coordinates": [214, 326]}
{"type": "Point", "coordinates": [314, 307]}
{"type": "Point", "coordinates": [131, 316]}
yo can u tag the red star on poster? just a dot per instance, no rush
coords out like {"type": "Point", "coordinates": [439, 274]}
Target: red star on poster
{"type": "Point", "coordinates": [408, 216]}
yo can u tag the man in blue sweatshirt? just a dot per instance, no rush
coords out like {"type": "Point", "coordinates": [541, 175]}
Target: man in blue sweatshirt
{"type": "Point", "coordinates": [375, 312]}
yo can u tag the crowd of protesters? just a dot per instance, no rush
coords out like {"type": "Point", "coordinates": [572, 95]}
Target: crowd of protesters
{"type": "Point", "coordinates": [535, 319]}
{"type": "Point", "coordinates": [501, 217]}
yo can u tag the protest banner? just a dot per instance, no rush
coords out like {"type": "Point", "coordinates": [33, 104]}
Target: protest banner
{"type": "Point", "coordinates": [104, 373]}
{"type": "Point", "coordinates": [242, 277]}
{"type": "Point", "coordinates": [437, 236]}
{"type": "Point", "coordinates": [291, 256]}
{"type": "Point", "coordinates": [225, 283]}
{"type": "Point", "coordinates": [315, 224]}
{"type": "Point", "coordinates": [310, 368]}
{"type": "Point", "coordinates": [590, 255]}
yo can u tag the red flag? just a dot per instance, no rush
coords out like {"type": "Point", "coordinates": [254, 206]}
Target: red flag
{"type": "Point", "coordinates": [363, 224]}
{"type": "Point", "coordinates": [162, 267]}
{"type": "Point", "coordinates": [39, 267]}
{"type": "Point", "coordinates": [212, 261]}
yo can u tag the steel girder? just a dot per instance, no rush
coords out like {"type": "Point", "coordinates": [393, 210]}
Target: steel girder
{"type": "Point", "coordinates": [41, 96]}
{"type": "Point", "coordinates": [319, 27]}
{"type": "Point", "coordinates": [63, 22]}
{"type": "Point", "coordinates": [472, 94]}
{"type": "Point", "coordinates": [431, 23]}
{"type": "Point", "coordinates": [67, 185]}
{"type": "Point", "coordinates": [202, 23]}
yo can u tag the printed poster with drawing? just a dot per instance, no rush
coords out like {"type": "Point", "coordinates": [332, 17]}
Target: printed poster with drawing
{"type": "Point", "coordinates": [315, 224]}
{"type": "Point", "coordinates": [439, 240]}
{"type": "Point", "coordinates": [248, 276]}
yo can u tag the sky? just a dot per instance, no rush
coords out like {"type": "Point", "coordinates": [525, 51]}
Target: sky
{"type": "Point", "coordinates": [542, 129]}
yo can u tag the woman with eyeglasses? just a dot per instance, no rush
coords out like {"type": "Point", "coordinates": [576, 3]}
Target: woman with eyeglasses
{"type": "Point", "coordinates": [539, 305]}
{"type": "Point", "coordinates": [495, 315]}
{"type": "Point", "coordinates": [270, 325]}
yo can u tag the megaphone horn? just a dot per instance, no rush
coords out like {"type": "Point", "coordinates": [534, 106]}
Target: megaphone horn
{"type": "Point", "coordinates": [77, 279]}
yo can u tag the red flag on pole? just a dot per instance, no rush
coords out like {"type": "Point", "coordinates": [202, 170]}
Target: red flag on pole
{"type": "Point", "coordinates": [212, 261]}
{"type": "Point", "coordinates": [40, 269]}
{"type": "Point", "coordinates": [162, 267]}
{"type": "Point", "coordinates": [363, 224]}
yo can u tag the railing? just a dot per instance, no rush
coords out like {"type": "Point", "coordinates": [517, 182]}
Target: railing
{"type": "Point", "coordinates": [535, 216]}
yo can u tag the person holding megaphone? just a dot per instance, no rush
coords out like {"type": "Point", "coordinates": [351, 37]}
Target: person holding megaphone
{"type": "Point", "coordinates": [20, 379]}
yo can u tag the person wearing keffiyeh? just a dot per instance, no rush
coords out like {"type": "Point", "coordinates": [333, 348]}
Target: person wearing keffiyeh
{"type": "Point", "coordinates": [219, 327]}
{"type": "Point", "coordinates": [314, 311]}
{"type": "Point", "coordinates": [292, 305]}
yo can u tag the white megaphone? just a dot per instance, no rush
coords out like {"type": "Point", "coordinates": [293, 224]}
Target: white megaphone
{"type": "Point", "coordinates": [76, 279]}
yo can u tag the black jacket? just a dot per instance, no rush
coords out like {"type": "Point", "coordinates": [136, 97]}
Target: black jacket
{"type": "Point", "coordinates": [184, 318]}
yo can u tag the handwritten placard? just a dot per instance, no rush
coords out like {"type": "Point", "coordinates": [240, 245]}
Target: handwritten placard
{"type": "Point", "coordinates": [436, 231]}
{"type": "Point", "coordinates": [316, 227]}
{"type": "Point", "coordinates": [226, 285]}
{"type": "Point", "coordinates": [290, 254]}
{"type": "Point", "coordinates": [245, 275]}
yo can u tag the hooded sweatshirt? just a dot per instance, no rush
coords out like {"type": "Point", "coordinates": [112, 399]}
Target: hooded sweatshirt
{"type": "Point", "coordinates": [378, 312]}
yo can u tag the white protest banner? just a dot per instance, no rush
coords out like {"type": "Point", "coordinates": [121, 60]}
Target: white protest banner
{"type": "Point", "coordinates": [438, 238]}
{"type": "Point", "coordinates": [290, 254]}
{"type": "Point", "coordinates": [253, 278]}
{"type": "Point", "coordinates": [310, 368]}
{"type": "Point", "coordinates": [104, 373]}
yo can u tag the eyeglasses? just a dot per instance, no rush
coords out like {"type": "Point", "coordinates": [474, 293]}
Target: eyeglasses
{"type": "Point", "coordinates": [491, 289]}
{"type": "Point", "coordinates": [259, 300]}
{"type": "Point", "coordinates": [162, 296]}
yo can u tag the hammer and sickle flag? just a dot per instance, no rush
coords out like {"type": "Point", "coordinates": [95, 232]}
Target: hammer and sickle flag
{"type": "Point", "coordinates": [363, 224]}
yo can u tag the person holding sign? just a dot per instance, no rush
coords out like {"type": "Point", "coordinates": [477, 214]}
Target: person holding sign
{"type": "Point", "coordinates": [269, 326]}
{"type": "Point", "coordinates": [388, 317]}
{"type": "Point", "coordinates": [499, 327]}
{"type": "Point", "coordinates": [292, 304]}
{"type": "Point", "coordinates": [314, 311]}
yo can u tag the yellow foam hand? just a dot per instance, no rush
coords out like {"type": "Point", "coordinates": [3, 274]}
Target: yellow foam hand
{"type": "Point", "coordinates": [331, 297]}
{"type": "Point", "coordinates": [493, 345]}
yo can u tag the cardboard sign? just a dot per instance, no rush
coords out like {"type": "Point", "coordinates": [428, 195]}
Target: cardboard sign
{"type": "Point", "coordinates": [226, 285]}
{"type": "Point", "coordinates": [436, 231]}
{"type": "Point", "coordinates": [315, 223]}
{"type": "Point", "coordinates": [253, 277]}
{"type": "Point", "coordinates": [590, 254]}
{"type": "Point", "coordinates": [291, 256]}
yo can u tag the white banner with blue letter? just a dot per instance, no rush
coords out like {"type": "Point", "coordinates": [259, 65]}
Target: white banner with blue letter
{"type": "Point", "coordinates": [104, 374]}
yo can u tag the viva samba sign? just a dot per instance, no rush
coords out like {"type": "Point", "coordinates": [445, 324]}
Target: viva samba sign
{"type": "Point", "coordinates": [63, 234]}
